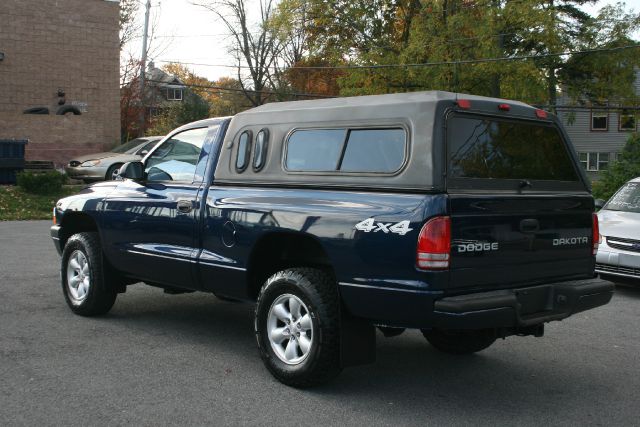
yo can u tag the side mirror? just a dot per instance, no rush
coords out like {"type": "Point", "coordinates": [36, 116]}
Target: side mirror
{"type": "Point", "coordinates": [132, 170]}
{"type": "Point", "coordinates": [600, 203]}
{"type": "Point", "coordinates": [143, 153]}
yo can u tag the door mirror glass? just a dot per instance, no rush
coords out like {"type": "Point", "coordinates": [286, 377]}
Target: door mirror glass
{"type": "Point", "coordinates": [131, 170]}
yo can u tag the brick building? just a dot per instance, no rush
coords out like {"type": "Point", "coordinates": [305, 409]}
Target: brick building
{"type": "Point", "coordinates": [53, 52]}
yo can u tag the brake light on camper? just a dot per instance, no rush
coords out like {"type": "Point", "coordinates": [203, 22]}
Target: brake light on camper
{"type": "Point", "coordinates": [465, 104]}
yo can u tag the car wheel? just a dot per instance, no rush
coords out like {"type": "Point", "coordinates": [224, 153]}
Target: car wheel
{"type": "Point", "coordinates": [112, 172]}
{"type": "Point", "coordinates": [460, 341]}
{"type": "Point", "coordinates": [83, 280]}
{"type": "Point", "coordinates": [297, 326]}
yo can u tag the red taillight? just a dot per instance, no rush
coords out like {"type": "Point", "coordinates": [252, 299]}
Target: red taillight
{"type": "Point", "coordinates": [595, 239]}
{"type": "Point", "coordinates": [464, 103]}
{"type": "Point", "coordinates": [434, 244]}
{"type": "Point", "coordinates": [541, 114]}
{"type": "Point", "coordinates": [504, 107]}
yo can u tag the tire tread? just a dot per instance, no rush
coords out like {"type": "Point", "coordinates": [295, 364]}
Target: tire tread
{"type": "Point", "coordinates": [321, 288]}
{"type": "Point", "coordinates": [102, 294]}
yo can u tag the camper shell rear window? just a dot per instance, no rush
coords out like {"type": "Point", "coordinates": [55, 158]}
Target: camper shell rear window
{"type": "Point", "coordinates": [491, 152]}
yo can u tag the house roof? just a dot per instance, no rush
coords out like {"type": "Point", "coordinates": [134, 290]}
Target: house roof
{"type": "Point", "coordinates": [162, 78]}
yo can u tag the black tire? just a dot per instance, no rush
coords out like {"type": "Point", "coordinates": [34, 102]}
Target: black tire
{"type": "Point", "coordinates": [110, 172]}
{"type": "Point", "coordinates": [36, 110]}
{"type": "Point", "coordinates": [101, 294]}
{"type": "Point", "coordinates": [68, 109]}
{"type": "Point", "coordinates": [318, 292]}
{"type": "Point", "coordinates": [460, 341]}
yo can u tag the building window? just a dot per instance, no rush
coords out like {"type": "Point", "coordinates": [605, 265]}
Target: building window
{"type": "Point", "coordinates": [627, 121]}
{"type": "Point", "coordinates": [603, 161]}
{"type": "Point", "coordinates": [174, 94]}
{"type": "Point", "coordinates": [599, 121]}
{"type": "Point", "coordinates": [594, 162]}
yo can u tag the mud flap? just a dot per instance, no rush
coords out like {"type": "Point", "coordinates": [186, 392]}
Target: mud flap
{"type": "Point", "coordinates": [357, 342]}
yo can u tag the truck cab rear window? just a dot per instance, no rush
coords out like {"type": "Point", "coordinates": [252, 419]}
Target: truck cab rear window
{"type": "Point", "coordinates": [494, 149]}
{"type": "Point", "coordinates": [346, 150]}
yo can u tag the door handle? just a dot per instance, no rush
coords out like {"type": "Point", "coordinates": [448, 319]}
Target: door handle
{"type": "Point", "coordinates": [185, 206]}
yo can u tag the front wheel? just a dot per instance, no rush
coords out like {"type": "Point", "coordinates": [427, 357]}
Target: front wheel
{"type": "Point", "coordinates": [297, 326]}
{"type": "Point", "coordinates": [83, 282]}
{"type": "Point", "coordinates": [112, 173]}
{"type": "Point", "coordinates": [460, 341]}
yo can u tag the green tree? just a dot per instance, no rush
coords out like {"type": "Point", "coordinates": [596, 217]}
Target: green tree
{"type": "Point", "coordinates": [605, 77]}
{"type": "Point", "coordinates": [626, 167]}
{"type": "Point", "coordinates": [180, 113]}
{"type": "Point", "coordinates": [458, 36]}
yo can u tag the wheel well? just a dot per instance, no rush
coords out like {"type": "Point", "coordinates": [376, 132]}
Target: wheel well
{"type": "Point", "coordinates": [278, 251]}
{"type": "Point", "coordinates": [73, 223]}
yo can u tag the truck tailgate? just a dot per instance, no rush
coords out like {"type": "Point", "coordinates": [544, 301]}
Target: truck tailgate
{"type": "Point", "coordinates": [507, 241]}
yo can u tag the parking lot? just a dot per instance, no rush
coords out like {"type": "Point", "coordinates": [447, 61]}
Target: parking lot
{"type": "Point", "coordinates": [191, 359]}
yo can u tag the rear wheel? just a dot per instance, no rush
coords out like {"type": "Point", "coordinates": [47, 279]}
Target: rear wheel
{"type": "Point", "coordinates": [460, 341]}
{"type": "Point", "coordinates": [297, 326]}
{"type": "Point", "coordinates": [83, 282]}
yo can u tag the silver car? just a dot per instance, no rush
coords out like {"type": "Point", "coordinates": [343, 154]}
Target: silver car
{"type": "Point", "coordinates": [618, 258]}
{"type": "Point", "coordinates": [104, 166]}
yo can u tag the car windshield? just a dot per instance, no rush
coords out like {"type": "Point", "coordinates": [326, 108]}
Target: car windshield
{"type": "Point", "coordinates": [627, 199]}
{"type": "Point", "coordinates": [128, 146]}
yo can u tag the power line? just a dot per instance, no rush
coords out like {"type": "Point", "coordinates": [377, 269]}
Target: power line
{"type": "Point", "coordinates": [585, 108]}
{"type": "Point", "coordinates": [316, 95]}
{"type": "Point", "coordinates": [266, 92]}
{"type": "Point", "coordinates": [425, 64]}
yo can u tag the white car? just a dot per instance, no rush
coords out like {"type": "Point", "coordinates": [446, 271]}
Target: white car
{"type": "Point", "coordinates": [618, 258]}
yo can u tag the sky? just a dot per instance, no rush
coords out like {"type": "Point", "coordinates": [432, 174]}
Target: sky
{"type": "Point", "coordinates": [191, 34]}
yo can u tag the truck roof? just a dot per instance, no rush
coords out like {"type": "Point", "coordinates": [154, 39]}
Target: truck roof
{"type": "Point", "coordinates": [370, 101]}
{"type": "Point", "coordinates": [415, 112]}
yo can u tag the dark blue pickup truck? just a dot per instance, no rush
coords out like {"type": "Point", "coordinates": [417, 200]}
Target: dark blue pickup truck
{"type": "Point", "coordinates": [466, 217]}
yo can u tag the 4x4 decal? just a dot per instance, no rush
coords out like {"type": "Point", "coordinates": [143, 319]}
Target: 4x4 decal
{"type": "Point", "coordinates": [370, 225]}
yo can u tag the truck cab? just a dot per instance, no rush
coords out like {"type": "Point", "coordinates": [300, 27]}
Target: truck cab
{"type": "Point", "coordinates": [466, 217]}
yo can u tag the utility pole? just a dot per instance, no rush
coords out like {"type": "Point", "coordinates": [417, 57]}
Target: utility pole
{"type": "Point", "coordinates": [143, 68]}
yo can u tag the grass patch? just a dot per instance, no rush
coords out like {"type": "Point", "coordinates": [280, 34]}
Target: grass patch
{"type": "Point", "coordinates": [16, 204]}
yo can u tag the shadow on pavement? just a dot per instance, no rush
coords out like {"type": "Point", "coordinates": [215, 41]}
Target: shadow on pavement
{"type": "Point", "coordinates": [628, 291]}
{"type": "Point", "coordinates": [408, 372]}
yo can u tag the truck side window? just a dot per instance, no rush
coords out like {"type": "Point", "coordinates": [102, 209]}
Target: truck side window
{"type": "Point", "coordinates": [314, 149]}
{"type": "Point", "coordinates": [346, 150]}
{"type": "Point", "coordinates": [260, 152]}
{"type": "Point", "coordinates": [374, 150]}
{"type": "Point", "coordinates": [244, 148]}
{"type": "Point", "coordinates": [177, 157]}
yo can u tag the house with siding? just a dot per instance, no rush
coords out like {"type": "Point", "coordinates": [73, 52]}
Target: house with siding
{"type": "Point", "coordinates": [598, 133]}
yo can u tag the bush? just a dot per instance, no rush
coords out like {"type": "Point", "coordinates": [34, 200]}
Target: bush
{"type": "Point", "coordinates": [626, 167]}
{"type": "Point", "coordinates": [41, 183]}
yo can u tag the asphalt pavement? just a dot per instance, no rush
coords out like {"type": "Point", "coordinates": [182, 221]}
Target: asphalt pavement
{"type": "Point", "coordinates": [191, 359]}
